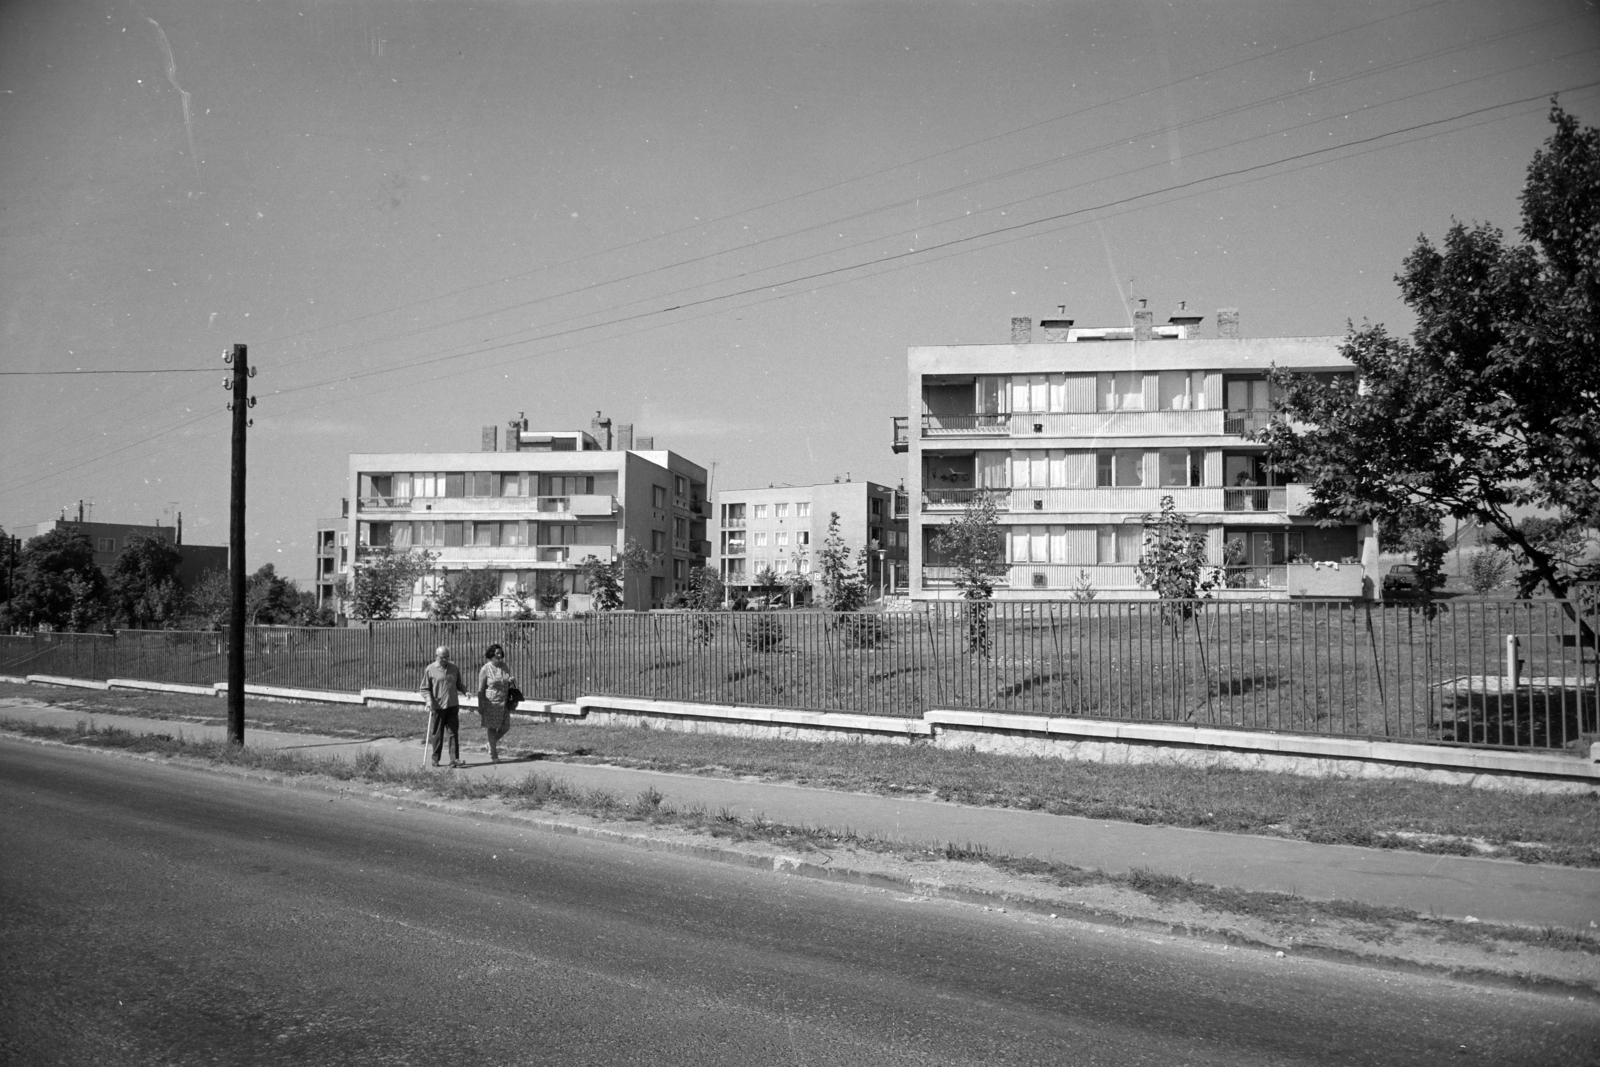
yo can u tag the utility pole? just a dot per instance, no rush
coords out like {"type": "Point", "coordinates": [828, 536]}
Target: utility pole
{"type": "Point", "coordinates": [239, 384]}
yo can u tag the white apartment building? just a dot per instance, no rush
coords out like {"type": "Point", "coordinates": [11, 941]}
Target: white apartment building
{"type": "Point", "coordinates": [781, 528]}
{"type": "Point", "coordinates": [1080, 435]}
{"type": "Point", "coordinates": [532, 509]}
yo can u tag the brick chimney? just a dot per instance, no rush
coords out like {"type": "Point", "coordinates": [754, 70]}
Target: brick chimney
{"type": "Point", "coordinates": [491, 439]}
{"type": "Point", "coordinates": [624, 436]}
{"type": "Point", "coordinates": [600, 430]}
{"type": "Point", "coordinates": [1189, 320]}
{"type": "Point", "coordinates": [1143, 321]}
{"type": "Point", "coordinates": [514, 428]}
{"type": "Point", "coordinates": [1228, 322]}
{"type": "Point", "coordinates": [1021, 330]}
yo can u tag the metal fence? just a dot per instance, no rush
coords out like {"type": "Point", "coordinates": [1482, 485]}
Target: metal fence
{"type": "Point", "coordinates": [1332, 668]}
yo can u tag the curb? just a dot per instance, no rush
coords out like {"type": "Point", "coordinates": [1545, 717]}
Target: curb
{"type": "Point", "coordinates": [784, 864]}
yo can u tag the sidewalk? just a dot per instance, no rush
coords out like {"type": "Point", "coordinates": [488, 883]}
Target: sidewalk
{"type": "Point", "coordinates": [1498, 891]}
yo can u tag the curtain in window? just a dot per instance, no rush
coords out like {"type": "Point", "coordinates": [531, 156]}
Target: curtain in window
{"type": "Point", "coordinates": [402, 535]}
{"type": "Point", "coordinates": [991, 469]}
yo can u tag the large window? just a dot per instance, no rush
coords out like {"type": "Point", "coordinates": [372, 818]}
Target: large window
{"type": "Point", "coordinates": [1119, 544]}
{"type": "Point", "coordinates": [658, 496]}
{"type": "Point", "coordinates": [760, 511]}
{"type": "Point", "coordinates": [1123, 467]}
{"type": "Point", "coordinates": [1182, 467]}
{"type": "Point", "coordinates": [761, 539]}
{"type": "Point", "coordinates": [658, 540]}
{"type": "Point", "coordinates": [569, 484]}
{"type": "Point", "coordinates": [1121, 391]}
{"type": "Point", "coordinates": [780, 511]}
{"type": "Point", "coordinates": [802, 510]}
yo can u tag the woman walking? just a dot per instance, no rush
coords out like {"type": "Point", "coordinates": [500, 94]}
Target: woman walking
{"type": "Point", "coordinates": [494, 684]}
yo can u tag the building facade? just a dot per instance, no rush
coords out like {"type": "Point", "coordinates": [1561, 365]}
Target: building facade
{"type": "Point", "coordinates": [332, 563]}
{"type": "Point", "coordinates": [783, 528]}
{"type": "Point", "coordinates": [530, 510]}
{"type": "Point", "coordinates": [1081, 434]}
{"type": "Point", "coordinates": [110, 540]}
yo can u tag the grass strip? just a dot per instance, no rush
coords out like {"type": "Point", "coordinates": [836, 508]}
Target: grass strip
{"type": "Point", "coordinates": [1376, 813]}
{"type": "Point", "coordinates": [1372, 923]}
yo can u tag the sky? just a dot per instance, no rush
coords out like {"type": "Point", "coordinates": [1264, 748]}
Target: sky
{"type": "Point", "coordinates": [722, 222]}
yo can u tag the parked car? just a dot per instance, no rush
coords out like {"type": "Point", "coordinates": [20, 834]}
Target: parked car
{"type": "Point", "coordinates": [1402, 578]}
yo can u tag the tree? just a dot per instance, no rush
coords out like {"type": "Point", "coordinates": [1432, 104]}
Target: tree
{"type": "Point", "coordinates": [1494, 401]}
{"type": "Point", "coordinates": [144, 586]}
{"type": "Point", "coordinates": [706, 591]}
{"type": "Point", "coordinates": [975, 547]}
{"type": "Point", "coordinates": [767, 579]}
{"type": "Point", "coordinates": [463, 594]}
{"type": "Point", "coordinates": [606, 580]}
{"type": "Point", "coordinates": [1487, 569]}
{"type": "Point", "coordinates": [843, 586]}
{"type": "Point", "coordinates": [796, 581]}
{"type": "Point", "coordinates": [381, 580]}
{"type": "Point", "coordinates": [1172, 562]}
{"type": "Point", "coordinates": [211, 599]}
{"type": "Point", "coordinates": [58, 584]}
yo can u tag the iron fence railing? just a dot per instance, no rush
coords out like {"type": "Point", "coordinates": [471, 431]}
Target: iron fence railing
{"type": "Point", "coordinates": [1501, 673]}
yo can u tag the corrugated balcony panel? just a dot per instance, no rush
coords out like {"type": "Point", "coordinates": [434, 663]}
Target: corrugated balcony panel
{"type": "Point", "coordinates": [512, 557]}
{"type": "Point", "coordinates": [592, 505]}
{"type": "Point", "coordinates": [1065, 579]}
{"type": "Point", "coordinates": [1189, 499]}
{"type": "Point", "coordinates": [965, 425]}
{"type": "Point", "coordinates": [1202, 423]}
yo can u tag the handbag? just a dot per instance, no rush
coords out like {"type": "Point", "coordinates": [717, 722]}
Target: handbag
{"type": "Point", "coordinates": [513, 698]}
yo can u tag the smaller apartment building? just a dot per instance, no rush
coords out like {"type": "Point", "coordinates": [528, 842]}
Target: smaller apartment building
{"type": "Point", "coordinates": [1081, 434]}
{"type": "Point", "coordinates": [532, 509]}
{"type": "Point", "coordinates": [783, 528]}
{"type": "Point", "coordinates": [111, 539]}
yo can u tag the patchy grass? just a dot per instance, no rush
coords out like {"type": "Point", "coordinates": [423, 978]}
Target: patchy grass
{"type": "Point", "coordinates": [1415, 816]}
{"type": "Point", "coordinates": [535, 791]}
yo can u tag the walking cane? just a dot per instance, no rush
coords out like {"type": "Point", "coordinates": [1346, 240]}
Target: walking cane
{"type": "Point", "coordinates": [427, 738]}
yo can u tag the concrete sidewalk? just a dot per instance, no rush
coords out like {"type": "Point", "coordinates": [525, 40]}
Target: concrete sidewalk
{"type": "Point", "coordinates": [1499, 891]}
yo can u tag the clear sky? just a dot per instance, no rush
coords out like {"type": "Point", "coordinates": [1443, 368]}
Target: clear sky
{"type": "Point", "coordinates": [723, 222]}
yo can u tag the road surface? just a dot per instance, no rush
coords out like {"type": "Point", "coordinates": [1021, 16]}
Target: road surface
{"type": "Point", "coordinates": [154, 914]}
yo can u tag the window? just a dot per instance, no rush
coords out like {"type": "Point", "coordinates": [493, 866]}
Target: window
{"type": "Point", "coordinates": [783, 537]}
{"type": "Point", "coordinates": [1119, 544]}
{"type": "Point", "coordinates": [760, 511]}
{"type": "Point", "coordinates": [482, 483]}
{"type": "Point", "coordinates": [1121, 391]}
{"type": "Point", "coordinates": [761, 540]}
{"type": "Point", "coordinates": [780, 511]}
{"type": "Point", "coordinates": [658, 496]}
{"type": "Point", "coordinates": [802, 510]}
{"type": "Point", "coordinates": [805, 566]}
{"type": "Point", "coordinates": [658, 540]}
{"type": "Point", "coordinates": [1180, 467]}
{"type": "Point", "coordinates": [427, 484]}
{"type": "Point", "coordinates": [658, 587]}
{"type": "Point", "coordinates": [681, 484]}
{"type": "Point", "coordinates": [570, 484]}
{"type": "Point", "coordinates": [678, 568]}
{"type": "Point", "coordinates": [802, 537]}
{"type": "Point", "coordinates": [486, 534]}
{"type": "Point", "coordinates": [105, 544]}
{"type": "Point", "coordinates": [1121, 468]}
{"type": "Point", "coordinates": [511, 484]}
{"type": "Point", "coordinates": [455, 484]}
{"type": "Point", "coordinates": [560, 533]}
{"type": "Point", "coordinates": [732, 513]}
{"type": "Point", "coordinates": [680, 528]}
{"type": "Point", "coordinates": [453, 533]}
{"type": "Point", "coordinates": [875, 505]}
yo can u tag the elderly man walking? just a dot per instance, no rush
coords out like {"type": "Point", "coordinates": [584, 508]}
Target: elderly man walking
{"type": "Point", "coordinates": [441, 686]}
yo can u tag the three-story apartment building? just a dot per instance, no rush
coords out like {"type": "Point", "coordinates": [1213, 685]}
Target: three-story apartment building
{"type": "Point", "coordinates": [781, 529]}
{"type": "Point", "coordinates": [532, 510]}
{"type": "Point", "coordinates": [1082, 434]}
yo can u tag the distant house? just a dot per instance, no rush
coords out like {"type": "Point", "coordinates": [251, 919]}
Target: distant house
{"type": "Point", "coordinates": [781, 528]}
{"type": "Point", "coordinates": [110, 540]}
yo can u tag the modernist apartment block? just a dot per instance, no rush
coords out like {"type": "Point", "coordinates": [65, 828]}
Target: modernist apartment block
{"type": "Point", "coordinates": [781, 528]}
{"type": "Point", "coordinates": [332, 562]}
{"type": "Point", "coordinates": [1081, 434]}
{"type": "Point", "coordinates": [532, 509]}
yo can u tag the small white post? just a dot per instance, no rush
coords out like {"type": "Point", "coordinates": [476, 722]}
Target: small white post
{"type": "Point", "coordinates": [1512, 672]}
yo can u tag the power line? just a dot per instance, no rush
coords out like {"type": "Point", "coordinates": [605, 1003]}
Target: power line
{"type": "Point", "coordinates": [112, 370]}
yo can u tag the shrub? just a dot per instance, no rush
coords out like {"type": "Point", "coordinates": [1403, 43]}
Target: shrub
{"type": "Point", "coordinates": [1487, 569]}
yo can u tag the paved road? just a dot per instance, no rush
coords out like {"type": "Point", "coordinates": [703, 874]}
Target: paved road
{"type": "Point", "coordinates": [151, 914]}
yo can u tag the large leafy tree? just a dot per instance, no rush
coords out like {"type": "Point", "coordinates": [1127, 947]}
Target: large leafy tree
{"type": "Point", "coordinates": [381, 580]}
{"type": "Point", "coordinates": [144, 582]}
{"type": "Point", "coordinates": [58, 584]}
{"type": "Point", "coordinates": [843, 586]}
{"type": "Point", "coordinates": [1493, 404]}
{"type": "Point", "coordinates": [975, 546]}
{"type": "Point", "coordinates": [464, 593]}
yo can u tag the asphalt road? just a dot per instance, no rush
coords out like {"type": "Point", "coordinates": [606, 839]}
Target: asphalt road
{"type": "Point", "coordinates": [151, 914]}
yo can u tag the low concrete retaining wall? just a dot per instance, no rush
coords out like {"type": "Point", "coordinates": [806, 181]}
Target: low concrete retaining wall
{"type": "Point", "coordinates": [1093, 740]}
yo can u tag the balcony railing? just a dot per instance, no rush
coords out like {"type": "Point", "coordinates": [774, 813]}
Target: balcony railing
{"type": "Point", "coordinates": [382, 503]}
{"type": "Point", "coordinates": [733, 524]}
{"type": "Point", "coordinates": [1259, 576]}
{"type": "Point", "coordinates": [700, 548]}
{"type": "Point", "coordinates": [902, 505]}
{"type": "Point", "coordinates": [947, 499]}
{"type": "Point", "coordinates": [985, 424]}
{"type": "Point", "coordinates": [1243, 420]}
{"type": "Point", "coordinates": [1254, 499]}
{"type": "Point", "coordinates": [734, 550]}
{"type": "Point", "coordinates": [902, 433]}
{"type": "Point", "coordinates": [945, 578]}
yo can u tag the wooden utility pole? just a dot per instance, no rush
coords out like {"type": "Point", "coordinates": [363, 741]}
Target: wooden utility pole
{"type": "Point", "coordinates": [240, 405]}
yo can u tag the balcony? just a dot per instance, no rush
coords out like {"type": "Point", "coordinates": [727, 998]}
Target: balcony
{"type": "Point", "coordinates": [734, 549]}
{"type": "Point", "coordinates": [902, 505]}
{"type": "Point", "coordinates": [1255, 499]}
{"type": "Point", "coordinates": [1257, 577]}
{"type": "Point", "coordinates": [733, 524]}
{"type": "Point", "coordinates": [1191, 499]}
{"type": "Point", "coordinates": [1347, 581]}
{"type": "Point", "coordinates": [966, 425]}
{"type": "Point", "coordinates": [1205, 422]}
{"type": "Point", "coordinates": [513, 557]}
{"type": "Point", "coordinates": [1242, 421]}
{"type": "Point", "coordinates": [700, 548]}
{"type": "Point", "coordinates": [945, 578]}
{"type": "Point", "coordinates": [902, 434]}
{"type": "Point", "coordinates": [383, 503]}
{"type": "Point", "coordinates": [949, 499]}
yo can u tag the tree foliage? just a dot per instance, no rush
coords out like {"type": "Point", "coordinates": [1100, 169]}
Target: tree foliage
{"type": "Point", "coordinates": [463, 594]}
{"type": "Point", "coordinates": [1493, 404]}
{"type": "Point", "coordinates": [1172, 562]}
{"type": "Point", "coordinates": [606, 580]}
{"type": "Point", "coordinates": [844, 588]}
{"type": "Point", "coordinates": [381, 580]}
{"type": "Point", "coordinates": [975, 547]}
{"type": "Point", "coordinates": [144, 586]}
{"type": "Point", "coordinates": [58, 584]}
